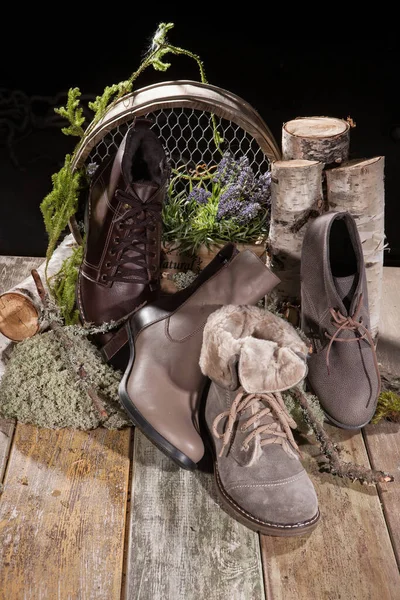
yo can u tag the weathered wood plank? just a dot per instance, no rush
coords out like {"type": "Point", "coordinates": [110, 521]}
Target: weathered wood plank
{"type": "Point", "coordinates": [349, 556]}
{"type": "Point", "coordinates": [182, 545]}
{"type": "Point", "coordinates": [383, 438]}
{"type": "Point", "coordinates": [13, 269]}
{"type": "Point", "coordinates": [62, 514]}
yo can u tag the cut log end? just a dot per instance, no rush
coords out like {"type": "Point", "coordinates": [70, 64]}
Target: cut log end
{"type": "Point", "coordinates": [19, 317]}
{"type": "Point", "coordinates": [316, 127]}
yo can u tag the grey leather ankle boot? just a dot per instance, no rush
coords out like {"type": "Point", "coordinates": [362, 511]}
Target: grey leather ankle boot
{"type": "Point", "coordinates": [162, 385]}
{"type": "Point", "coordinates": [343, 370]}
{"type": "Point", "coordinates": [251, 356]}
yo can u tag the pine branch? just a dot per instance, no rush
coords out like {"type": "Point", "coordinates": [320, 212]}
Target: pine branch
{"type": "Point", "coordinates": [60, 204]}
{"type": "Point", "coordinates": [72, 113]}
{"type": "Point", "coordinates": [331, 451]}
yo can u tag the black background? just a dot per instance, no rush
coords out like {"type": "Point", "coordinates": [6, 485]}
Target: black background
{"type": "Point", "coordinates": [285, 68]}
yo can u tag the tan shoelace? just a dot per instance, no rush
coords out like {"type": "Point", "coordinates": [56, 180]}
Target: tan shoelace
{"type": "Point", "coordinates": [351, 323]}
{"type": "Point", "coordinates": [280, 429]}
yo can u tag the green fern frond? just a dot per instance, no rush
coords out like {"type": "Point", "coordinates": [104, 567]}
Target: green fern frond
{"type": "Point", "coordinates": [60, 204]}
{"type": "Point", "coordinates": [72, 113]}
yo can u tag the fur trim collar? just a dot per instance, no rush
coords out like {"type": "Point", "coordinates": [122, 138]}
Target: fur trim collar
{"type": "Point", "coordinates": [253, 344]}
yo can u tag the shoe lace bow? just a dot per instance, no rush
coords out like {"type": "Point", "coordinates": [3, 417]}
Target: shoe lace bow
{"type": "Point", "coordinates": [139, 218]}
{"type": "Point", "coordinates": [279, 430]}
{"type": "Point", "coordinates": [350, 323]}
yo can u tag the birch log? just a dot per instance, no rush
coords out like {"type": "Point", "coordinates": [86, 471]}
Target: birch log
{"type": "Point", "coordinates": [358, 187]}
{"type": "Point", "coordinates": [296, 198]}
{"type": "Point", "coordinates": [20, 306]}
{"type": "Point", "coordinates": [325, 139]}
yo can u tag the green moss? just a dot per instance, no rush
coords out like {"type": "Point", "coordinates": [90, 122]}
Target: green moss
{"type": "Point", "coordinates": [41, 387]}
{"type": "Point", "coordinates": [388, 407]}
{"type": "Point", "coordinates": [63, 286]}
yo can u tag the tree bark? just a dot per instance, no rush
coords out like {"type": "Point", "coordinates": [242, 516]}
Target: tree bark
{"type": "Point", "coordinates": [296, 198]}
{"type": "Point", "coordinates": [20, 306]}
{"type": "Point", "coordinates": [358, 187]}
{"type": "Point", "coordinates": [324, 139]}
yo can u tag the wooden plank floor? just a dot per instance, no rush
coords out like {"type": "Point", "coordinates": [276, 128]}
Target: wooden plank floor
{"type": "Point", "coordinates": [104, 515]}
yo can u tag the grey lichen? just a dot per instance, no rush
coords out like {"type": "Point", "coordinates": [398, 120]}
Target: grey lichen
{"type": "Point", "coordinates": [41, 387]}
{"type": "Point", "coordinates": [297, 413]}
{"type": "Point", "coordinates": [183, 279]}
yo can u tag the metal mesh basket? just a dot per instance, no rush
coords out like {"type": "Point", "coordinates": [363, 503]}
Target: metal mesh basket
{"type": "Point", "coordinates": [187, 136]}
{"type": "Point", "coordinates": [185, 116]}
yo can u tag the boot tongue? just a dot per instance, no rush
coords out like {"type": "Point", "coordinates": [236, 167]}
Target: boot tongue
{"type": "Point", "coordinates": [144, 191]}
{"type": "Point", "coordinates": [346, 287]}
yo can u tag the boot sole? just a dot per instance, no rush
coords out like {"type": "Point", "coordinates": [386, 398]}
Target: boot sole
{"type": "Point", "coordinates": [145, 427]}
{"type": "Point", "coordinates": [271, 529]}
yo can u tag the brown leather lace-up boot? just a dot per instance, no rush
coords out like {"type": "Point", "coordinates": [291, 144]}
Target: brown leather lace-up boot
{"type": "Point", "coordinates": [163, 384]}
{"type": "Point", "coordinates": [120, 268]}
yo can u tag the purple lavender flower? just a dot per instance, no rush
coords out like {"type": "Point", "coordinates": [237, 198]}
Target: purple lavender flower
{"type": "Point", "coordinates": [261, 191]}
{"type": "Point", "coordinates": [229, 203]}
{"type": "Point", "coordinates": [244, 195]}
{"type": "Point", "coordinates": [200, 195]}
{"type": "Point", "coordinates": [248, 212]}
{"type": "Point", "coordinates": [226, 169]}
{"type": "Point", "coordinates": [245, 177]}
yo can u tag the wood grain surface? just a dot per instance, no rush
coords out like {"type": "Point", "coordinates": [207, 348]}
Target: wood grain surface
{"type": "Point", "coordinates": [349, 556]}
{"type": "Point", "coordinates": [383, 438]}
{"type": "Point", "coordinates": [68, 530]}
{"type": "Point", "coordinates": [182, 545]}
{"type": "Point", "coordinates": [62, 515]}
{"type": "Point", "coordinates": [13, 269]}
{"type": "Point", "coordinates": [63, 506]}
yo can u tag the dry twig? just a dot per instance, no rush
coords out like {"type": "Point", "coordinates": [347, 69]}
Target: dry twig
{"type": "Point", "coordinates": [331, 451]}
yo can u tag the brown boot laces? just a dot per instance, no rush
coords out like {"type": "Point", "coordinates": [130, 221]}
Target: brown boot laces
{"type": "Point", "coordinates": [350, 323]}
{"type": "Point", "coordinates": [138, 220]}
{"type": "Point", "coordinates": [276, 409]}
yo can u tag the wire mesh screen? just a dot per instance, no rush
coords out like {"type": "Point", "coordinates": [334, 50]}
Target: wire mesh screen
{"type": "Point", "coordinates": [188, 138]}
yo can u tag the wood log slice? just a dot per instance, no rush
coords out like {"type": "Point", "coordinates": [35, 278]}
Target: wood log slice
{"type": "Point", "coordinates": [358, 187]}
{"type": "Point", "coordinates": [20, 306]}
{"type": "Point", "coordinates": [325, 139]}
{"type": "Point", "coordinates": [19, 316]}
{"type": "Point", "coordinates": [296, 198]}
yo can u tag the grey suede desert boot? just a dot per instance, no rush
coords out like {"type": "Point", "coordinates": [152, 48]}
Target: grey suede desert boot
{"type": "Point", "coordinates": [251, 356]}
{"type": "Point", "coordinates": [343, 368]}
{"type": "Point", "coordinates": [162, 385]}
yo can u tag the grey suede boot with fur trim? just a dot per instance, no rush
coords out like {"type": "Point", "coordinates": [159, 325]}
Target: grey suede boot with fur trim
{"type": "Point", "coordinates": [251, 355]}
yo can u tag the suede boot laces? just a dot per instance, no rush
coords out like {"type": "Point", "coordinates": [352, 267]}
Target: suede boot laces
{"type": "Point", "coordinates": [351, 323]}
{"type": "Point", "coordinates": [280, 430]}
{"type": "Point", "coordinates": [136, 222]}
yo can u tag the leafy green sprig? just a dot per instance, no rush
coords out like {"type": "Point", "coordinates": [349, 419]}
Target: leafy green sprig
{"type": "Point", "coordinates": [190, 225]}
